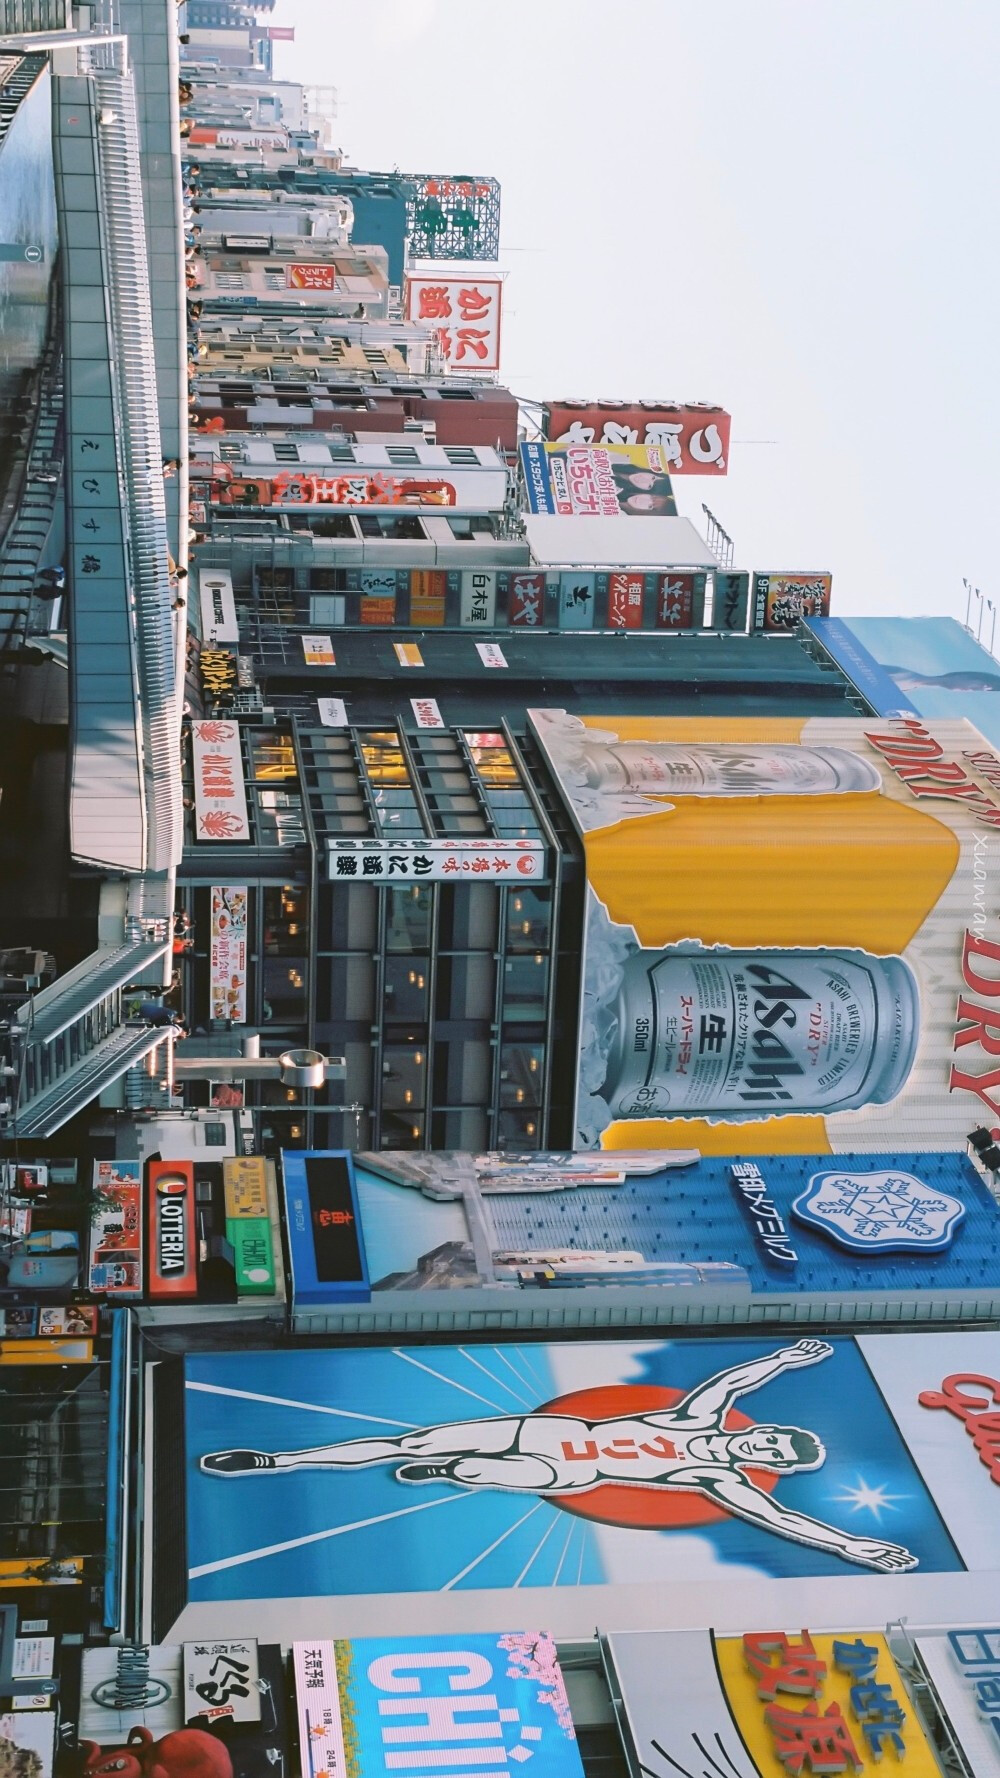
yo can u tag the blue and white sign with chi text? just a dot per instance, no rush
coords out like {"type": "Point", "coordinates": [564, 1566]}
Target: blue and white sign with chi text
{"type": "Point", "coordinates": [497, 1700]}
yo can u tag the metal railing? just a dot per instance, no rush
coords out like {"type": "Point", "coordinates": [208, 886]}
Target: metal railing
{"type": "Point", "coordinates": [134, 368]}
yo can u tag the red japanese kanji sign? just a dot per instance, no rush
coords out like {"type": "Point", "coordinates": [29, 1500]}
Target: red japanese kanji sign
{"type": "Point", "coordinates": [465, 313]}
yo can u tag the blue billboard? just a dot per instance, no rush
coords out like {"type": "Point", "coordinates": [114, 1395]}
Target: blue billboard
{"type": "Point", "coordinates": [805, 1223]}
{"type": "Point", "coordinates": [441, 1469]}
{"type": "Point", "coordinates": [922, 666]}
{"type": "Point", "coordinates": [505, 1690]}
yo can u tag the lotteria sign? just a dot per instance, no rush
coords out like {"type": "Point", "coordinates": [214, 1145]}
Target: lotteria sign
{"type": "Point", "coordinates": [172, 1266]}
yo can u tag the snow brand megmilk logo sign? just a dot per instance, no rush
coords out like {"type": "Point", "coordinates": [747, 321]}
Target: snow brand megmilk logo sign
{"type": "Point", "coordinates": [873, 1213]}
{"type": "Point", "coordinates": [172, 1230]}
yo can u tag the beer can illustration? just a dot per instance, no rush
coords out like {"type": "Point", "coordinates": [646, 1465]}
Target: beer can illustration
{"type": "Point", "coordinates": [727, 1034]}
{"type": "Point", "coordinates": [724, 768]}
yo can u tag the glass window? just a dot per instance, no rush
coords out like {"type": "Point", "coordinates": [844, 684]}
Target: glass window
{"type": "Point", "coordinates": [495, 766]}
{"type": "Point", "coordinates": [404, 1077]}
{"type": "Point", "coordinates": [517, 1129]}
{"type": "Point", "coordinates": [469, 917]}
{"type": "Point", "coordinates": [408, 918]}
{"type": "Point", "coordinates": [466, 1130]}
{"type": "Point", "coordinates": [528, 918]}
{"type": "Point", "coordinates": [405, 525]}
{"type": "Point", "coordinates": [284, 989]}
{"type": "Point", "coordinates": [400, 1130]}
{"type": "Point", "coordinates": [286, 920]}
{"type": "Point", "coordinates": [405, 988]}
{"type": "Point", "coordinates": [521, 1074]}
{"type": "Point", "coordinates": [524, 983]}
{"type": "Point", "coordinates": [457, 804]}
{"type": "Point", "coordinates": [348, 917]}
{"type": "Point", "coordinates": [463, 1072]}
{"type": "Point", "coordinates": [345, 990]}
{"type": "Point", "coordinates": [272, 755]}
{"type": "Point", "coordinates": [466, 986]}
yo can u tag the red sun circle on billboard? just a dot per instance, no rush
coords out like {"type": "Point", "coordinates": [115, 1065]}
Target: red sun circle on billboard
{"type": "Point", "coordinates": [625, 1503]}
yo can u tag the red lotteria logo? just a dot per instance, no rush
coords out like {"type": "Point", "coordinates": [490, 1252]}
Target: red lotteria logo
{"type": "Point", "coordinates": [975, 1412]}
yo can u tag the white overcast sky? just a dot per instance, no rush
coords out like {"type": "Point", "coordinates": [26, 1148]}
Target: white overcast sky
{"type": "Point", "coordinates": [786, 206]}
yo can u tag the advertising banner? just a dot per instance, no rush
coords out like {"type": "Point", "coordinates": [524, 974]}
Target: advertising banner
{"type": "Point", "coordinates": [900, 1235]}
{"type": "Point", "coordinates": [625, 593]}
{"type": "Point", "coordinates": [311, 276]}
{"type": "Point", "coordinates": [332, 712]}
{"type": "Point", "coordinates": [783, 601]}
{"type": "Point", "coordinates": [218, 671]}
{"type": "Point", "coordinates": [173, 1274]}
{"type": "Point", "coordinates": [220, 798]}
{"type": "Point", "coordinates": [218, 606]}
{"type": "Point", "coordinates": [228, 952]}
{"type": "Point", "coordinates": [453, 216]}
{"type": "Point", "coordinates": [918, 666]}
{"type": "Point", "coordinates": [129, 1688]}
{"type": "Point", "coordinates": [244, 1182]}
{"type": "Point", "coordinates": [318, 651]}
{"type": "Point", "coordinates": [577, 596]}
{"type": "Point", "coordinates": [478, 597]}
{"type": "Point", "coordinates": [221, 1682]}
{"type": "Point", "coordinates": [526, 601]}
{"type": "Point", "coordinates": [532, 1461]}
{"type": "Point", "coordinates": [788, 940]}
{"type": "Point", "coordinates": [408, 654]}
{"type": "Point", "coordinates": [472, 489]}
{"type": "Point", "coordinates": [115, 1261]}
{"type": "Point", "coordinates": [943, 1391]}
{"type": "Point", "coordinates": [491, 654]}
{"type": "Point", "coordinates": [694, 436]}
{"type": "Point", "coordinates": [427, 713]}
{"type": "Point", "coordinates": [767, 1703]}
{"type": "Point", "coordinates": [428, 593]}
{"type": "Point", "coordinates": [731, 606]}
{"type": "Point", "coordinates": [465, 315]}
{"type": "Point", "coordinates": [325, 1241]}
{"type": "Point", "coordinates": [378, 1701]}
{"type": "Point", "coordinates": [437, 861]}
{"type": "Point", "coordinates": [963, 1667]}
{"type": "Point", "coordinates": [680, 601]}
{"type": "Point", "coordinates": [598, 481]}
{"type": "Point", "coordinates": [317, 1697]}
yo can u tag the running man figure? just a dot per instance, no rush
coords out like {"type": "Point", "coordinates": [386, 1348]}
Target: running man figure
{"type": "Point", "coordinates": [685, 1447]}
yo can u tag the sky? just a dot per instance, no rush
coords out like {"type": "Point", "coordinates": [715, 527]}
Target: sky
{"type": "Point", "coordinates": [787, 207]}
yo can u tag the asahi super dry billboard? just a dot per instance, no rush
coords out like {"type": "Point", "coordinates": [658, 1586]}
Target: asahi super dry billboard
{"type": "Point", "coordinates": [791, 942]}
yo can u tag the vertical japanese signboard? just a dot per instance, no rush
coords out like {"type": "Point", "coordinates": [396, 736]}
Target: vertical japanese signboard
{"type": "Point", "coordinates": [680, 601]}
{"type": "Point", "coordinates": [478, 598]}
{"type": "Point", "coordinates": [220, 799]}
{"type": "Point", "coordinates": [228, 952]}
{"type": "Point", "coordinates": [783, 601]}
{"type": "Point", "coordinates": [625, 595]}
{"type": "Point", "coordinates": [465, 313]}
